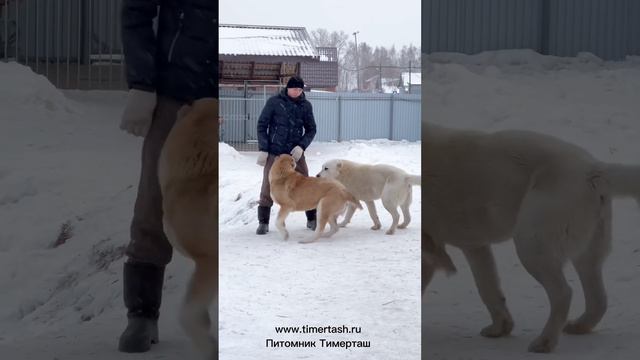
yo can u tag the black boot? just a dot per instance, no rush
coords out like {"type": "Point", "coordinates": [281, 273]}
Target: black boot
{"type": "Point", "coordinates": [264, 212]}
{"type": "Point", "coordinates": [311, 219]}
{"type": "Point", "coordinates": [142, 297]}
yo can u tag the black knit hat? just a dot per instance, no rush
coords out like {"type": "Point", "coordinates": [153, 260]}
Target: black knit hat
{"type": "Point", "coordinates": [295, 82]}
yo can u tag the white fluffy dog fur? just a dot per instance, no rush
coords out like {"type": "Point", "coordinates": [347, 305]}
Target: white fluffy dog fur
{"type": "Point", "coordinates": [553, 198]}
{"type": "Point", "coordinates": [372, 182]}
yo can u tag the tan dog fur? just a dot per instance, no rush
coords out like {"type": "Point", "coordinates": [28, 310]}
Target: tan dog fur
{"type": "Point", "coordinates": [296, 192]}
{"type": "Point", "coordinates": [188, 175]}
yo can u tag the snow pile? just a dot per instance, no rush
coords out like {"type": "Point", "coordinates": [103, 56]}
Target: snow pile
{"type": "Point", "coordinates": [22, 89]}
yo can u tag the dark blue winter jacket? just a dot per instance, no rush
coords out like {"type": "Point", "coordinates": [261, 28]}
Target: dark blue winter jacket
{"type": "Point", "coordinates": [179, 61]}
{"type": "Point", "coordinates": [285, 123]}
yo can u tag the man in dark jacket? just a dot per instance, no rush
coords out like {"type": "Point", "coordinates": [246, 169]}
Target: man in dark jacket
{"type": "Point", "coordinates": [286, 126]}
{"type": "Point", "coordinates": [165, 69]}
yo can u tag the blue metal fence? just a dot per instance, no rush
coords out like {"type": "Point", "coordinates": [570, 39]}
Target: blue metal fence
{"type": "Point", "coordinates": [607, 28]}
{"type": "Point", "coordinates": [339, 116]}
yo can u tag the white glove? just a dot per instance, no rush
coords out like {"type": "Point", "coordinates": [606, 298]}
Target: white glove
{"type": "Point", "coordinates": [138, 112]}
{"type": "Point", "coordinates": [262, 158]}
{"type": "Point", "coordinates": [297, 153]}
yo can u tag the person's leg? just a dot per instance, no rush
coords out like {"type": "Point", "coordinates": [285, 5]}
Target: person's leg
{"type": "Point", "coordinates": [301, 167]}
{"type": "Point", "coordinates": [265, 203]}
{"type": "Point", "coordinates": [149, 251]}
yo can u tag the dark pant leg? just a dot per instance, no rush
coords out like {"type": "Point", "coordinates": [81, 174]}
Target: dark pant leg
{"type": "Point", "coordinates": [148, 242]}
{"type": "Point", "coordinates": [265, 190]}
{"type": "Point", "coordinates": [301, 166]}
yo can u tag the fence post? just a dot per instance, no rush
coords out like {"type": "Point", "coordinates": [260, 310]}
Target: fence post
{"type": "Point", "coordinates": [391, 118]}
{"type": "Point", "coordinates": [246, 116]}
{"type": "Point", "coordinates": [339, 118]}
{"type": "Point", "coordinates": [4, 9]}
{"type": "Point", "coordinates": [544, 27]}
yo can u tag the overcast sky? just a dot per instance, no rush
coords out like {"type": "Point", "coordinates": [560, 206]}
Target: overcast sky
{"type": "Point", "coordinates": [381, 23]}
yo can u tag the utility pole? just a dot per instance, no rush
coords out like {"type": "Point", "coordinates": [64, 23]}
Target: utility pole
{"type": "Point", "coordinates": [409, 76]}
{"type": "Point", "coordinates": [380, 76]}
{"type": "Point", "coordinates": [355, 35]}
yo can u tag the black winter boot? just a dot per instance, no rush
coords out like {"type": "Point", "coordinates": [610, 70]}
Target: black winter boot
{"type": "Point", "coordinates": [264, 212]}
{"type": "Point", "coordinates": [311, 219]}
{"type": "Point", "coordinates": [142, 297]}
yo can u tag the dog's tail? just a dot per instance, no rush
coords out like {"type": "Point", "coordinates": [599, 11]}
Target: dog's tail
{"type": "Point", "coordinates": [434, 258]}
{"type": "Point", "coordinates": [414, 180]}
{"type": "Point", "coordinates": [437, 255]}
{"type": "Point", "coordinates": [352, 199]}
{"type": "Point", "coordinates": [624, 180]}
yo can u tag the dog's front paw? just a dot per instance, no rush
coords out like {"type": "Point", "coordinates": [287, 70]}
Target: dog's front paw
{"type": "Point", "coordinates": [403, 226]}
{"type": "Point", "coordinates": [342, 224]}
{"type": "Point", "coordinates": [542, 344]}
{"type": "Point", "coordinates": [498, 329]}
{"type": "Point", "coordinates": [577, 328]}
{"type": "Point", "coordinates": [376, 227]}
{"type": "Point", "coordinates": [285, 235]}
{"type": "Point", "coordinates": [390, 232]}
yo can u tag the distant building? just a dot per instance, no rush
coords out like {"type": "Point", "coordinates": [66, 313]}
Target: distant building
{"type": "Point", "coordinates": [257, 54]}
{"type": "Point", "coordinates": [387, 85]}
{"type": "Point", "coordinates": [411, 84]}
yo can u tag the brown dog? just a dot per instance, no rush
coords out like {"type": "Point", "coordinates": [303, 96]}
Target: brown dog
{"type": "Point", "coordinates": [188, 175]}
{"type": "Point", "coordinates": [296, 192]}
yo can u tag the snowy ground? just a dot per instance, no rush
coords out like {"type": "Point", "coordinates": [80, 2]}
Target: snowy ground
{"type": "Point", "coordinates": [64, 160]}
{"type": "Point", "coordinates": [359, 277]}
{"type": "Point", "coordinates": [586, 101]}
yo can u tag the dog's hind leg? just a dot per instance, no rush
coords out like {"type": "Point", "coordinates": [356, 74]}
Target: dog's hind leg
{"type": "Point", "coordinates": [347, 217]}
{"type": "Point", "coordinates": [539, 234]}
{"type": "Point", "coordinates": [371, 206]}
{"type": "Point", "coordinates": [406, 215]}
{"type": "Point", "coordinates": [589, 268]}
{"type": "Point", "coordinates": [392, 208]}
{"type": "Point", "coordinates": [323, 218]}
{"type": "Point", "coordinates": [333, 223]}
{"type": "Point", "coordinates": [282, 215]}
{"type": "Point", "coordinates": [194, 314]}
{"type": "Point", "coordinates": [485, 274]}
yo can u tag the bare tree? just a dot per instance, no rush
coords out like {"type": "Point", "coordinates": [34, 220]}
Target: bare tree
{"type": "Point", "coordinates": [379, 62]}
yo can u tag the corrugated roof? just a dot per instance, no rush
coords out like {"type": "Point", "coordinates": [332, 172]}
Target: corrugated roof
{"type": "Point", "coordinates": [265, 40]}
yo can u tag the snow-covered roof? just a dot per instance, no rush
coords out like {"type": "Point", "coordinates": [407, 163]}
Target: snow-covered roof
{"type": "Point", "coordinates": [265, 40]}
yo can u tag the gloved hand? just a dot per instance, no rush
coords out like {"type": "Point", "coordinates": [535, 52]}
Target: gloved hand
{"type": "Point", "coordinates": [262, 158]}
{"type": "Point", "coordinates": [297, 153]}
{"type": "Point", "coordinates": [138, 112]}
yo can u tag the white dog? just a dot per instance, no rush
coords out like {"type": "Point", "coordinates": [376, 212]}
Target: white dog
{"type": "Point", "coordinates": [372, 182]}
{"type": "Point", "coordinates": [553, 198]}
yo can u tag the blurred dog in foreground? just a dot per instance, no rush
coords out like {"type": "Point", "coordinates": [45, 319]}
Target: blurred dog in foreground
{"type": "Point", "coordinates": [188, 175]}
{"type": "Point", "coordinates": [551, 197]}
